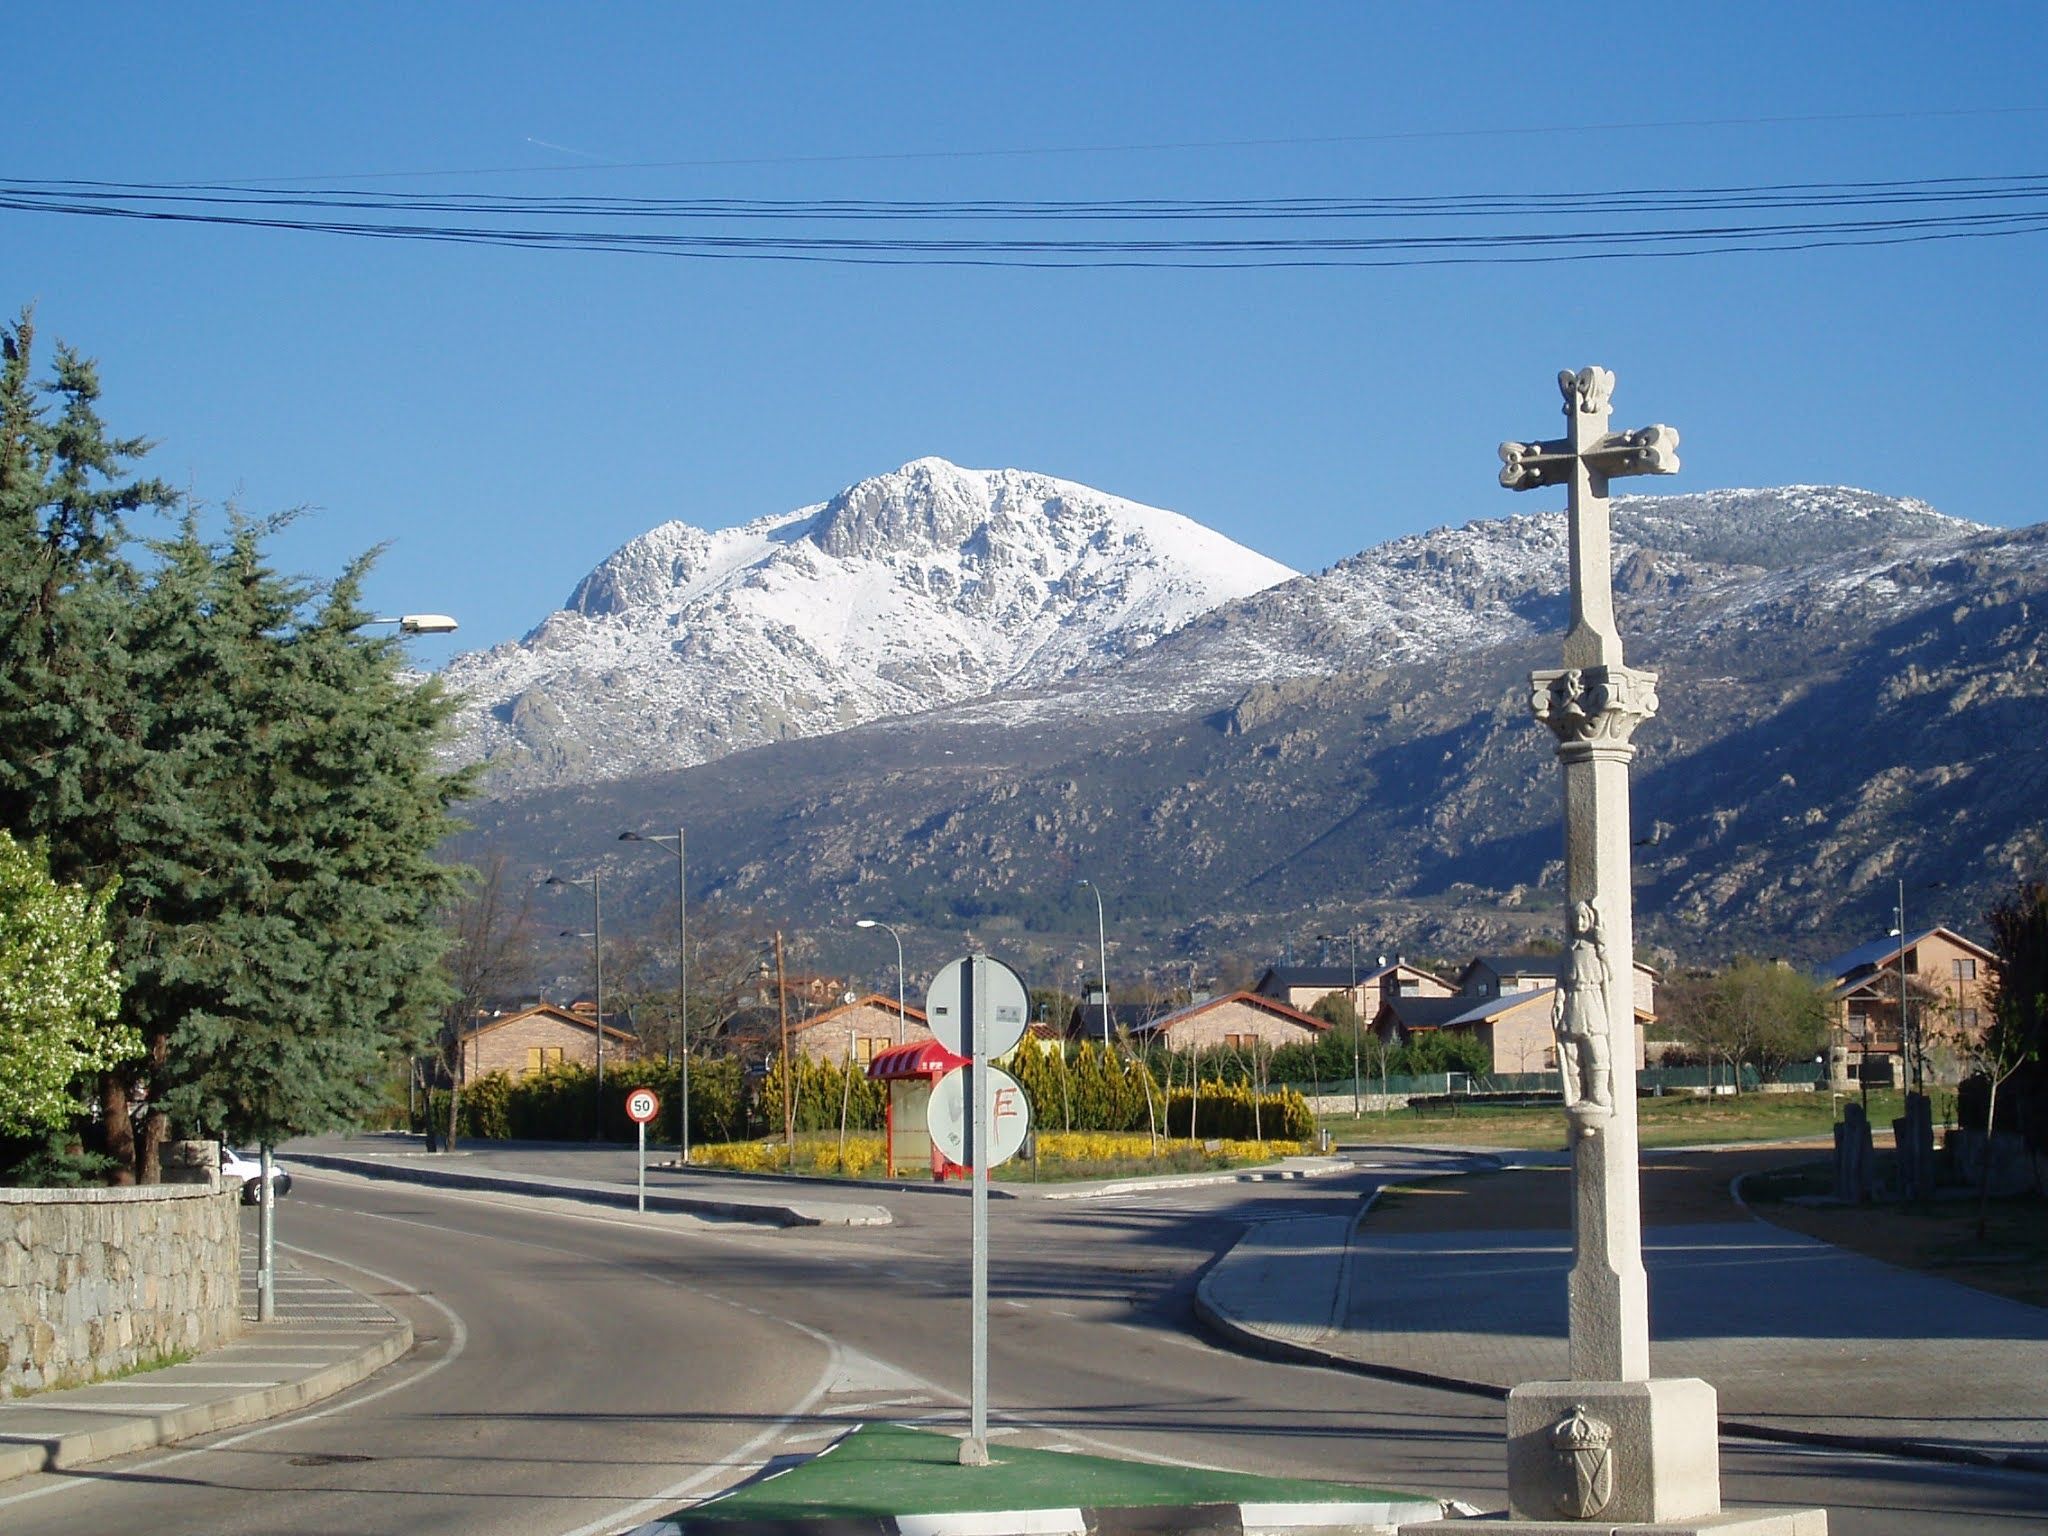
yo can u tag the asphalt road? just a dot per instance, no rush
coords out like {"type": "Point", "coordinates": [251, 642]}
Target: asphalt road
{"type": "Point", "coordinates": [578, 1373]}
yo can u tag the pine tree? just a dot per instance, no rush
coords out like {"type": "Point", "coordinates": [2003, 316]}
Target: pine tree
{"type": "Point", "coordinates": [311, 963]}
{"type": "Point", "coordinates": [255, 771]}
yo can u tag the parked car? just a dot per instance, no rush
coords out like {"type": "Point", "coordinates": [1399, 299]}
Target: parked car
{"type": "Point", "coordinates": [248, 1168]}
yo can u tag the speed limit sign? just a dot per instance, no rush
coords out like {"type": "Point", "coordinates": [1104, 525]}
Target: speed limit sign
{"type": "Point", "coordinates": [642, 1105]}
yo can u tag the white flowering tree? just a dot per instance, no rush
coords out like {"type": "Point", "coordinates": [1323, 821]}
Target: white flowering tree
{"type": "Point", "coordinates": [58, 993]}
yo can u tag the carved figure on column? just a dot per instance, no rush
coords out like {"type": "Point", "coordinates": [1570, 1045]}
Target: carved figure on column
{"type": "Point", "coordinates": [1579, 1020]}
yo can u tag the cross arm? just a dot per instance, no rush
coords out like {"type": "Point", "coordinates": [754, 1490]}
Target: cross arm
{"type": "Point", "coordinates": [1644, 451]}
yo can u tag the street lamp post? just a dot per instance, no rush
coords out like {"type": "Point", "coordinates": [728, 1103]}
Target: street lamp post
{"type": "Point", "coordinates": [872, 922]}
{"type": "Point", "coordinates": [1357, 1103]}
{"type": "Point", "coordinates": [682, 970]}
{"type": "Point", "coordinates": [417, 623]}
{"type": "Point", "coordinates": [595, 885]}
{"type": "Point", "coordinates": [1102, 952]}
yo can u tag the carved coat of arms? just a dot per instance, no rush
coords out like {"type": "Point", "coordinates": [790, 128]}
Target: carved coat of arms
{"type": "Point", "coordinates": [1583, 1450]}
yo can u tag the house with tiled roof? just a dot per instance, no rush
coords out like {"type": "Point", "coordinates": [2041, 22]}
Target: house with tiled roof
{"type": "Point", "coordinates": [1947, 1001]}
{"type": "Point", "coordinates": [859, 1030]}
{"type": "Point", "coordinates": [1506, 1002]}
{"type": "Point", "coordinates": [1303, 986]}
{"type": "Point", "coordinates": [523, 1041]}
{"type": "Point", "coordinates": [1239, 1021]}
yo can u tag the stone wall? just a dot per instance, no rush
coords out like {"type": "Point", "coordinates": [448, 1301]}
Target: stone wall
{"type": "Point", "coordinates": [94, 1281]}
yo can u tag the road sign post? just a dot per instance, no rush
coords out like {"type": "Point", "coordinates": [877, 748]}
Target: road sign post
{"type": "Point", "coordinates": [977, 1007]}
{"type": "Point", "coordinates": [642, 1105]}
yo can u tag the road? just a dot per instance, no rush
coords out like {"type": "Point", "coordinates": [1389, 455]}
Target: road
{"type": "Point", "coordinates": [579, 1372]}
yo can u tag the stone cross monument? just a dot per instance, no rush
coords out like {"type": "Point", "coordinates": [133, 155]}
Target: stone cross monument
{"type": "Point", "coordinates": [1611, 1448]}
{"type": "Point", "coordinates": [1610, 1444]}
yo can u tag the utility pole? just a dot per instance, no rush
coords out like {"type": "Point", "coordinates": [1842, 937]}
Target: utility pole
{"type": "Point", "coordinates": [788, 1100]}
{"type": "Point", "coordinates": [682, 969]}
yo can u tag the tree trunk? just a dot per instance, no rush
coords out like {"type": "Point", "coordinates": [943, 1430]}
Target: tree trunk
{"type": "Point", "coordinates": [120, 1128]}
{"type": "Point", "coordinates": [454, 1112]}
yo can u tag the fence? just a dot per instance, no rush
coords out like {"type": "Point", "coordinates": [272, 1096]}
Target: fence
{"type": "Point", "coordinates": [1719, 1077]}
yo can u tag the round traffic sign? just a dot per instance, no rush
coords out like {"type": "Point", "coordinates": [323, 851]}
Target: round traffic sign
{"type": "Point", "coordinates": [1001, 1004]}
{"type": "Point", "coordinates": [642, 1105]}
{"type": "Point", "coordinates": [1009, 1116]}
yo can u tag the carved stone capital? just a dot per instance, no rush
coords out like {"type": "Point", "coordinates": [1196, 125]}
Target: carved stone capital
{"type": "Point", "coordinates": [1590, 391]}
{"type": "Point", "coordinates": [1594, 706]}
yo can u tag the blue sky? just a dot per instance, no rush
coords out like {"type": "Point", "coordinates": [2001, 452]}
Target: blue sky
{"type": "Point", "coordinates": [504, 418]}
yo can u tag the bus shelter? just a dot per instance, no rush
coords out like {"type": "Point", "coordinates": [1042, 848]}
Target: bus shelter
{"type": "Point", "coordinates": [909, 1071]}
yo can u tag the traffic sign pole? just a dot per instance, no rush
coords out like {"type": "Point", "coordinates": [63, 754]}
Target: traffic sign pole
{"type": "Point", "coordinates": [642, 1105]}
{"type": "Point", "coordinates": [974, 992]}
{"type": "Point", "coordinates": [977, 1008]}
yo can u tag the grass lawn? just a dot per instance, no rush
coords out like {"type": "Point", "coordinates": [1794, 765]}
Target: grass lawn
{"type": "Point", "coordinates": [1675, 1120]}
{"type": "Point", "coordinates": [1938, 1236]}
{"type": "Point", "coordinates": [886, 1469]}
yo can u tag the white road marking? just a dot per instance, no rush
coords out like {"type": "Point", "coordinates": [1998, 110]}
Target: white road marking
{"type": "Point", "coordinates": [458, 1340]}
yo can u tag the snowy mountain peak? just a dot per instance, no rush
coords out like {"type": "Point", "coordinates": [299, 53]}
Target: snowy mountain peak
{"type": "Point", "coordinates": [921, 587]}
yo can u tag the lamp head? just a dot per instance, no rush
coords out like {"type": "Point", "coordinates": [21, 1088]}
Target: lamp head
{"type": "Point", "coordinates": [864, 922]}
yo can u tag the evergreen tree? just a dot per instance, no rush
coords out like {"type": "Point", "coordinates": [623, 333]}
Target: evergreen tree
{"type": "Point", "coordinates": [253, 769]}
{"type": "Point", "coordinates": [311, 960]}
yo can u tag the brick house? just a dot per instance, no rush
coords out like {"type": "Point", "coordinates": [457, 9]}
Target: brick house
{"type": "Point", "coordinates": [523, 1041]}
{"type": "Point", "coordinates": [1085, 1022]}
{"type": "Point", "coordinates": [1235, 1022]}
{"type": "Point", "coordinates": [863, 1028]}
{"type": "Point", "coordinates": [1947, 977]}
{"type": "Point", "coordinates": [1303, 986]}
{"type": "Point", "coordinates": [1506, 1001]}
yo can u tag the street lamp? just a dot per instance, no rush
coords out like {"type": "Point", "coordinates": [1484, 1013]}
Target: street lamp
{"type": "Point", "coordinates": [1102, 950]}
{"type": "Point", "coordinates": [871, 922]}
{"type": "Point", "coordinates": [418, 623]}
{"type": "Point", "coordinates": [682, 965]}
{"type": "Point", "coordinates": [594, 885]}
{"type": "Point", "coordinates": [1357, 1103]}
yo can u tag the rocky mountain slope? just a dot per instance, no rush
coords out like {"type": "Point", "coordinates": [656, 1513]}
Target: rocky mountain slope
{"type": "Point", "coordinates": [903, 593]}
{"type": "Point", "coordinates": [1853, 693]}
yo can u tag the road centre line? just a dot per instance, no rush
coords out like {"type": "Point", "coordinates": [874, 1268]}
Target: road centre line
{"type": "Point", "coordinates": [745, 1455]}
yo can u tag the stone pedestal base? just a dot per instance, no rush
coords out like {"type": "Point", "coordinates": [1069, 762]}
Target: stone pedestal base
{"type": "Point", "coordinates": [1613, 1452]}
{"type": "Point", "coordinates": [1731, 1522]}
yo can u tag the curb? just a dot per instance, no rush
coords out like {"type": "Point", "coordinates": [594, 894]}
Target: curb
{"type": "Point", "coordinates": [1152, 1520]}
{"type": "Point", "coordinates": [57, 1453]}
{"type": "Point", "coordinates": [763, 1212]}
{"type": "Point", "coordinates": [1253, 1340]}
{"type": "Point", "coordinates": [1267, 1175]}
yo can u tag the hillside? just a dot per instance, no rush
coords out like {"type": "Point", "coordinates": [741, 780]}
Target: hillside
{"type": "Point", "coordinates": [1852, 692]}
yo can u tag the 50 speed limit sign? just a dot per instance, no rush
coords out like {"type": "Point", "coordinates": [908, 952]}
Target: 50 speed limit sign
{"type": "Point", "coordinates": [642, 1105]}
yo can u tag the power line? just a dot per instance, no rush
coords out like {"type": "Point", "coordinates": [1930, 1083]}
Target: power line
{"type": "Point", "coordinates": [1430, 230]}
{"type": "Point", "coordinates": [1309, 141]}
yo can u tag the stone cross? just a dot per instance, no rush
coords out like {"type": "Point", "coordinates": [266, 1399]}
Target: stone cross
{"type": "Point", "coordinates": [1594, 703]}
{"type": "Point", "coordinates": [1610, 1443]}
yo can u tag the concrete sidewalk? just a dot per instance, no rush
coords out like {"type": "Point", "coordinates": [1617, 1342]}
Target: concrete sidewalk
{"type": "Point", "coordinates": [327, 1337]}
{"type": "Point", "coordinates": [1802, 1340]}
{"type": "Point", "coordinates": [700, 1199]}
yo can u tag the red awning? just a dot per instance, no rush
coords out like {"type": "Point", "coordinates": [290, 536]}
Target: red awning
{"type": "Point", "coordinates": [917, 1058]}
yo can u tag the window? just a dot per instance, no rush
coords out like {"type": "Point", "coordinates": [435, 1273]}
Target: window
{"type": "Point", "coordinates": [532, 1059]}
{"type": "Point", "coordinates": [1966, 1018]}
{"type": "Point", "coordinates": [1966, 970]}
{"type": "Point", "coordinates": [1912, 962]}
{"type": "Point", "coordinates": [871, 1046]}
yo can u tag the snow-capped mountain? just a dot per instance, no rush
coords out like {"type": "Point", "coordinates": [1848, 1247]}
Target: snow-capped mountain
{"type": "Point", "coordinates": [1852, 685]}
{"type": "Point", "coordinates": [911, 590]}
{"type": "Point", "coordinates": [1458, 591]}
